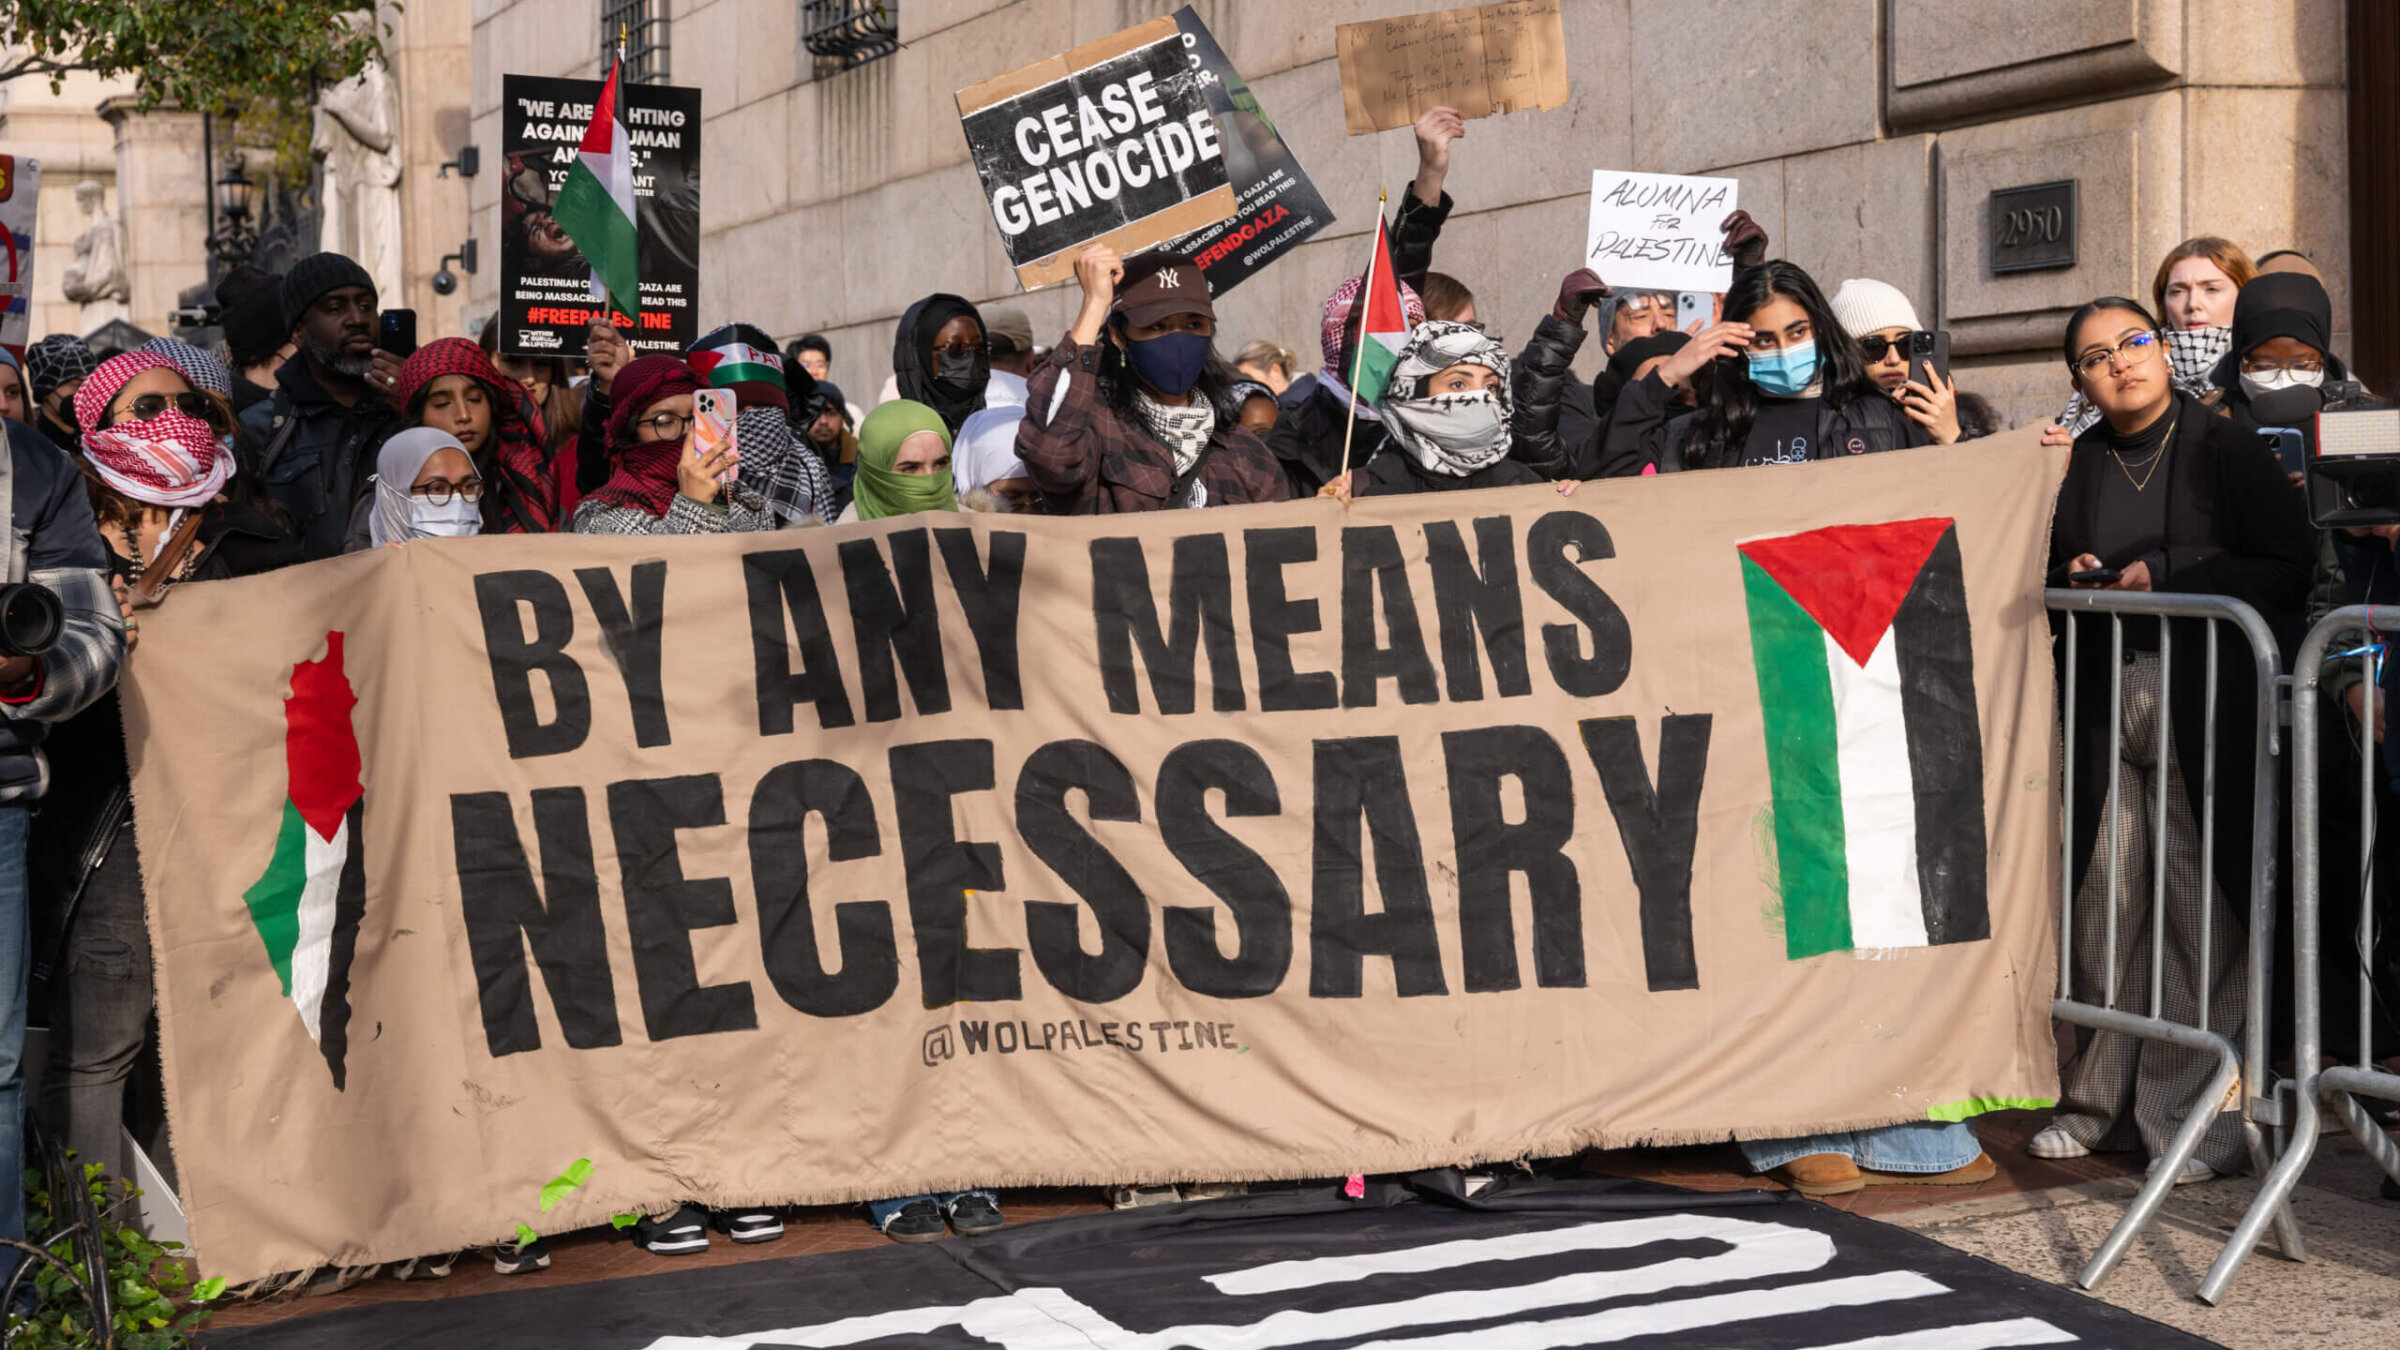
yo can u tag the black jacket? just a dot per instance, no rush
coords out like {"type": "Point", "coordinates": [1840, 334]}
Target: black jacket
{"type": "Point", "coordinates": [1397, 473]}
{"type": "Point", "coordinates": [316, 472]}
{"type": "Point", "coordinates": [1307, 436]}
{"type": "Point", "coordinates": [1558, 433]}
{"type": "Point", "coordinates": [1416, 227]}
{"type": "Point", "coordinates": [1649, 428]}
{"type": "Point", "coordinates": [2236, 527]}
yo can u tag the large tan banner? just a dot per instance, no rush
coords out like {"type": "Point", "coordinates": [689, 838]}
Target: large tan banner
{"type": "Point", "coordinates": [1248, 843]}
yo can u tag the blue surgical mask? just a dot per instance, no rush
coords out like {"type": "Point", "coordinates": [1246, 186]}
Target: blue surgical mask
{"type": "Point", "coordinates": [1171, 362]}
{"type": "Point", "coordinates": [1786, 371]}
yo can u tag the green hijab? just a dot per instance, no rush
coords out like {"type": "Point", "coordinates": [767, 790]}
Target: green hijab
{"type": "Point", "coordinates": [879, 491]}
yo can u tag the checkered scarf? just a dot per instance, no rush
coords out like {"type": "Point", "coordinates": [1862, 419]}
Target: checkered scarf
{"type": "Point", "coordinates": [520, 493]}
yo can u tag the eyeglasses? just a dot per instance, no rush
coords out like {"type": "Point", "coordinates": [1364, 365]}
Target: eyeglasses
{"type": "Point", "coordinates": [960, 348]}
{"type": "Point", "coordinates": [2134, 350]}
{"type": "Point", "coordinates": [1875, 345]}
{"type": "Point", "coordinates": [440, 491]}
{"type": "Point", "coordinates": [1639, 305]}
{"type": "Point", "coordinates": [665, 426]}
{"type": "Point", "coordinates": [2267, 365]}
{"type": "Point", "coordinates": [190, 405]}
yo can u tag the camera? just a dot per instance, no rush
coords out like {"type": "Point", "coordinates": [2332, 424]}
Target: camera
{"type": "Point", "coordinates": [30, 619]}
{"type": "Point", "coordinates": [2353, 467]}
{"type": "Point", "coordinates": [444, 282]}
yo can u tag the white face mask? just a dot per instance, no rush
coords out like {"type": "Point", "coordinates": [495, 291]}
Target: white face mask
{"type": "Point", "coordinates": [2254, 385]}
{"type": "Point", "coordinates": [1451, 433]}
{"type": "Point", "coordinates": [452, 519]}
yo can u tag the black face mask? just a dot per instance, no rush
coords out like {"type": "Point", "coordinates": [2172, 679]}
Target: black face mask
{"type": "Point", "coordinates": [2293, 407]}
{"type": "Point", "coordinates": [956, 369]}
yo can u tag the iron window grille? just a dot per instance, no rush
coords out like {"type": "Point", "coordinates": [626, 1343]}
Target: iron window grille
{"type": "Point", "coordinates": [851, 32]}
{"type": "Point", "coordinates": [644, 25]}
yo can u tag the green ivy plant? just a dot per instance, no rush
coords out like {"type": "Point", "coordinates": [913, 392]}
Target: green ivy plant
{"type": "Point", "coordinates": [194, 56]}
{"type": "Point", "coordinates": [147, 1280]}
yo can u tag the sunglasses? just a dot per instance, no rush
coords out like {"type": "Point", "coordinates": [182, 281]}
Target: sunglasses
{"type": "Point", "coordinates": [1875, 345]}
{"type": "Point", "coordinates": [190, 405]}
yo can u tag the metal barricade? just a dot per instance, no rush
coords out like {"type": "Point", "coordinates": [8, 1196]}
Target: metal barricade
{"type": "Point", "coordinates": [2340, 1086]}
{"type": "Point", "coordinates": [2245, 1063]}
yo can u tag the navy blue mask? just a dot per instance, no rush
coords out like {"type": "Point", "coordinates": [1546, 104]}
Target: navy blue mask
{"type": "Point", "coordinates": [1170, 362]}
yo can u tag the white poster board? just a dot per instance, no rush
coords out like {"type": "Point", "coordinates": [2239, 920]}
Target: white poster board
{"type": "Point", "coordinates": [20, 191]}
{"type": "Point", "coordinates": [1659, 231]}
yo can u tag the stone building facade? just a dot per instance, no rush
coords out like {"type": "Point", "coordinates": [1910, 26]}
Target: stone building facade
{"type": "Point", "coordinates": [1868, 136]}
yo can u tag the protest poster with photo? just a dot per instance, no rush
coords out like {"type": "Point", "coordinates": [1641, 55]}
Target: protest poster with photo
{"type": "Point", "coordinates": [1112, 141]}
{"type": "Point", "coordinates": [994, 850]}
{"type": "Point", "coordinates": [1279, 207]}
{"type": "Point", "coordinates": [1660, 231]}
{"type": "Point", "coordinates": [20, 194]}
{"type": "Point", "coordinates": [545, 285]}
{"type": "Point", "coordinates": [1485, 61]}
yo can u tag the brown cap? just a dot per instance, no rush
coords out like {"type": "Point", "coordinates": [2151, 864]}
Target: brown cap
{"type": "Point", "coordinates": [1007, 324]}
{"type": "Point", "coordinates": [1156, 285]}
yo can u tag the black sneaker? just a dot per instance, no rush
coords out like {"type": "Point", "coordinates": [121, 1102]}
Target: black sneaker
{"type": "Point", "coordinates": [521, 1258]}
{"type": "Point", "coordinates": [2391, 1189]}
{"type": "Point", "coordinates": [974, 1214]}
{"type": "Point", "coordinates": [916, 1221]}
{"type": "Point", "coordinates": [679, 1234]}
{"type": "Point", "coordinates": [435, 1267]}
{"type": "Point", "coordinates": [747, 1225]}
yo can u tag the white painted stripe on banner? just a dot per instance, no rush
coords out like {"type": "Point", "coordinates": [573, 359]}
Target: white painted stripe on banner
{"type": "Point", "coordinates": [1611, 1235]}
{"type": "Point", "coordinates": [1879, 802]}
{"type": "Point", "coordinates": [312, 952]}
{"type": "Point", "coordinates": [1682, 1315]}
{"type": "Point", "coordinates": [1976, 1336]}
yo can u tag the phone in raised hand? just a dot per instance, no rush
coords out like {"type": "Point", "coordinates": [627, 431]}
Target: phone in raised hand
{"type": "Point", "coordinates": [713, 413]}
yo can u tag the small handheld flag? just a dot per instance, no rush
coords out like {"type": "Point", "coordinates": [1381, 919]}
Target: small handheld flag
{"type": "Point", "coordinates": [595, 207]}
{"type": "Point", "coordinates": [1382, 332]}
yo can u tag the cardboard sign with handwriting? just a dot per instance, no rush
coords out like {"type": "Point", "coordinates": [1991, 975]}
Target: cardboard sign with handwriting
{"type": "Point", "coordinates": [1484, 61]}
{"type": "Point", "coordinates": [1659, 231]}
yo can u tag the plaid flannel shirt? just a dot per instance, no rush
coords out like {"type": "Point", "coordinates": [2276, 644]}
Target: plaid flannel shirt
{"type": "Point", "coordinates": [63, 552]}
{"type": "Point", "coordinates": [737, 511]}
{"type": "Point", "coordinates": [1088, 458]}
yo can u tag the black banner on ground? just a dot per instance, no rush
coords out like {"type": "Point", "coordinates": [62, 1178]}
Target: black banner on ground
{"type": "Point", "coordinates": [1589, 1263]}
{"type": "Point", "coordinates": [545, 284]}
{"type": "Point", "coordinates": [1280, 207]}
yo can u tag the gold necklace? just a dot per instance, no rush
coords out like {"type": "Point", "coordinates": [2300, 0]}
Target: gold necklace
{"type": "Point", "coordinates": [2152, 462]}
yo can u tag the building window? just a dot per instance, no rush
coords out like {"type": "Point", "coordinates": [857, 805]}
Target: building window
{"type": "Point", "coordinates": [846, 33]}
{"type": "Point", "coordinates": [643, 27]}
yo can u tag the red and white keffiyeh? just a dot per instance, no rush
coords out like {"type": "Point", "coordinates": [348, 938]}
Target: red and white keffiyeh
{"type": "Point", "coordinates": [172, 460]}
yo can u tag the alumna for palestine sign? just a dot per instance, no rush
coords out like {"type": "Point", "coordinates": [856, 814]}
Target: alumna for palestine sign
{"type": "Point", "coordinates": [996, 850]}
{"type": "Point", "coordinates": [1112, 141]}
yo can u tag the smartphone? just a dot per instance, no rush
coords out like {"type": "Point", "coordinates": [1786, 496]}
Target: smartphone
{"type": "Point", "coordinates": [1694, 307]}
{"type": "Point", "coordinates": [713, 412]}
{"type": "Point", "coordinates": [2290, 446]}
{"type": "Point", "coordinates": [2098, 576]}
{"type": "Point", "coordinates": [1924, 347]}
{"type": "Point", "coordinates": [396, 332]}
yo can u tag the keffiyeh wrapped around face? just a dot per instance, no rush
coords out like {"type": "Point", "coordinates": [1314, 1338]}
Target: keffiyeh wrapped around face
{"type": "Point", "coordinates": [1452, 434]}
{"type": "Point", "coordinates": [173, 460]}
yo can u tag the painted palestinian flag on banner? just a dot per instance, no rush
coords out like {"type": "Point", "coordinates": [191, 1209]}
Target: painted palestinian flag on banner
{"type": "Point", "coordinates": [1385, 331]}
{"type": "Point", "coordinates": [1866, 675]}
{"type": "Point", "coordinates": [308, 903]}
{"type": "Point", "coordinates": [595, 204]}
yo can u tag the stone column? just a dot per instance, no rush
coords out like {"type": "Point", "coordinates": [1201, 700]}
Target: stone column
{"type": "Point", "coordinates": [162, 201]}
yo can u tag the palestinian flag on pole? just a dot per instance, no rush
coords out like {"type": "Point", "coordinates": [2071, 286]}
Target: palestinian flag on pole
{"type": "Point", "coordinates": [1386, 328]}
{"type": "Point", "coordinates": [595, 207]}
{"type": "Point", "coordinates": [1866, 677]}
{"type": "Point", "coordinates": [308, 903]}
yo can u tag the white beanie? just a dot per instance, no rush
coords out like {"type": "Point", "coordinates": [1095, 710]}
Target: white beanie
{"type": "Point", "coordinates": [1864, 305]}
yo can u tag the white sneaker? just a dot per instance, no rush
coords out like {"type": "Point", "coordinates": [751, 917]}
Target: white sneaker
{"type": "Point", "coordinates": [2055, 1143]}
{"type": "Point", "coordinates": [2195, 1170]}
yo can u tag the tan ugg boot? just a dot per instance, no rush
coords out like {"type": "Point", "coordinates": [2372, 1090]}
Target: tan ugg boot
{"type": "Point", "coordinates": [1980, 1170]}
{"type": "Point", "coordinates": [1820, 1174]}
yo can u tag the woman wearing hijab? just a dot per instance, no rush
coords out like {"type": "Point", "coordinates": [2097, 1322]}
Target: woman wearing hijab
{"type": "Point", "coordinates": [986, 469]}
{"type": "Point", "coordinates": [12, 386]}
{"type": "Point", "coordinates": [152, 461]}
{"type": "Point", "coordinates": [657, 483]}
{"type": "Point", "coordinates": [940, 358]}
{"type": "Point", "coordinates": [1314, 410]}
{"type": "Point", "coordinates": [2162, 495]}
{"type": "Point", "coordinates": [426, 487]}
{"type": "Point", "coordinates": [903, 463]}
{"type": "Point", "coordinates": [1447, 413]}
{"type": "Point", "coordinates": [1133, 410]}
{"type": "Point", "coordinates": [449, 385]}
{"type": "Point", "coordinates": [2278, 369]}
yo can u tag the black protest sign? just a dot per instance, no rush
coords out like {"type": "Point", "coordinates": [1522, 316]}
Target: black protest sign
{"type": "Point", "coordinates": [546, 300]}
{"type": "Point", "coordinates": [1113, 141]}
{"type": "Point", "coordinates": [1279, 207]}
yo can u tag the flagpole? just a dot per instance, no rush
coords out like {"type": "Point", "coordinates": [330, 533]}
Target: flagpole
{"type": "Point", "coordinates": [1366, 299]}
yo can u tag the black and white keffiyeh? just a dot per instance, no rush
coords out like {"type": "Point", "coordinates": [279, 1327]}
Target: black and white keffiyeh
{"type": "Point", "coordinates": [2192, 354]}
{"type": "Point", "coordinates": [1184, 431]}
{"type": "Point", "coordinates": [1452, 434]}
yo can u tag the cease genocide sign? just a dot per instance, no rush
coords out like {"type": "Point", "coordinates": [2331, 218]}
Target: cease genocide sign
{"type": "Point", "coordinates": [1259, 842]}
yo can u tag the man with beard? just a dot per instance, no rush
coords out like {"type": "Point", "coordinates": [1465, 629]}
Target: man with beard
{"type": "Point", "coordinates": [314, 442]}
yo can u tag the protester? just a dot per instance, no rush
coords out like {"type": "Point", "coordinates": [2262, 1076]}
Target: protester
{"type": "Point", "coordinates": [2222, 521]}
{"type": "Point", "coordinates": [1633, 316]}
{"type": "Point", "coordinates": [1625, 365]}
{"type": "Point", "coordinates": [1447, 298]}
{"type": "Point", "coordinates": [154, 461]}
{"type": "Point", "coordinates": [1318, 429]}
{"type": "Point", "coordinates": [1268, 364]}
{"type": "Point", "coordinates": [451, 386]}
{"type": "Point", "coordinates": [1424, 206]}
{"type": "Point", "coordinates": [1132, 410]}
{"type": "Point", "coordinates": [657, 483]}
{"type": "Point", "coordinates": [825, 428]}
{"type": "Point", "coordinates": [940, 358]}
{"type": "Point", "coordinates": [741, 357]}
{"type": "Point", "coordinates": [257, 340]}
{"type": "Point", "coordinates": [57, 366]}
{"type": "Point", "coordinates": [1254, 407]}
{"type": "Point", "coordinates": [1884, 322]}
{"type": "Point", "coordinates": [57, 547]}
{"type": "Point", "coordinates": [14, 404]}
{"type": "Point", "coordinates": [605, 352]}
{"type": "Point", "coordinates": [990, 477]}
{"type": "Point", "coordinates": [815, 355]}
{"type": "Point", "coordinates": [1801, 391]}
{"type": "Point", "coordinates": [315, 440]}
{"type": "Point", "coordinates": [2197, 282]}
{"type": "Point", "coordinates": [426, 487]}
{"type": "Point", "coordinates": [206, 373]}
{"type": "Point", "coordinates": [1447, 413]}
{"type": "Point", "coordinates": [1011, 337]}
{"type": "Point", "coordinates": [2279, 366]}
{"type": "Point", "coordinates": [903, 463]}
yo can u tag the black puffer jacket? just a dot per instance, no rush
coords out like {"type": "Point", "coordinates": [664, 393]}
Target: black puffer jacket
{"type": "Point", "coordinates": [1398, 474]}
{"type": "Point", "coordinates": [1649, 429]}
{"type": "Point", "coordinates": [1558, 431]}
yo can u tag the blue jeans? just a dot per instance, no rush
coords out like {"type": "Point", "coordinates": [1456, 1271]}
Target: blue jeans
{"type": "Point", "coordinates": [880, 1212]}
{"type": "Point", "coordinates": [16, 941]}
{"type": "Point", "coordinates": [1917, 1147]}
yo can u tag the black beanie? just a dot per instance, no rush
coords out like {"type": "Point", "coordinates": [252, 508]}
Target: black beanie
{"type": "Point", "coordinates": [314, 275]}
{"type": "Point", "coordinates": [252, 316]}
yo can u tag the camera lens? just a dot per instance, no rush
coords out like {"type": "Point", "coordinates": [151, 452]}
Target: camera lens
{"type": "Point", "coordinates": [30, 619]}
